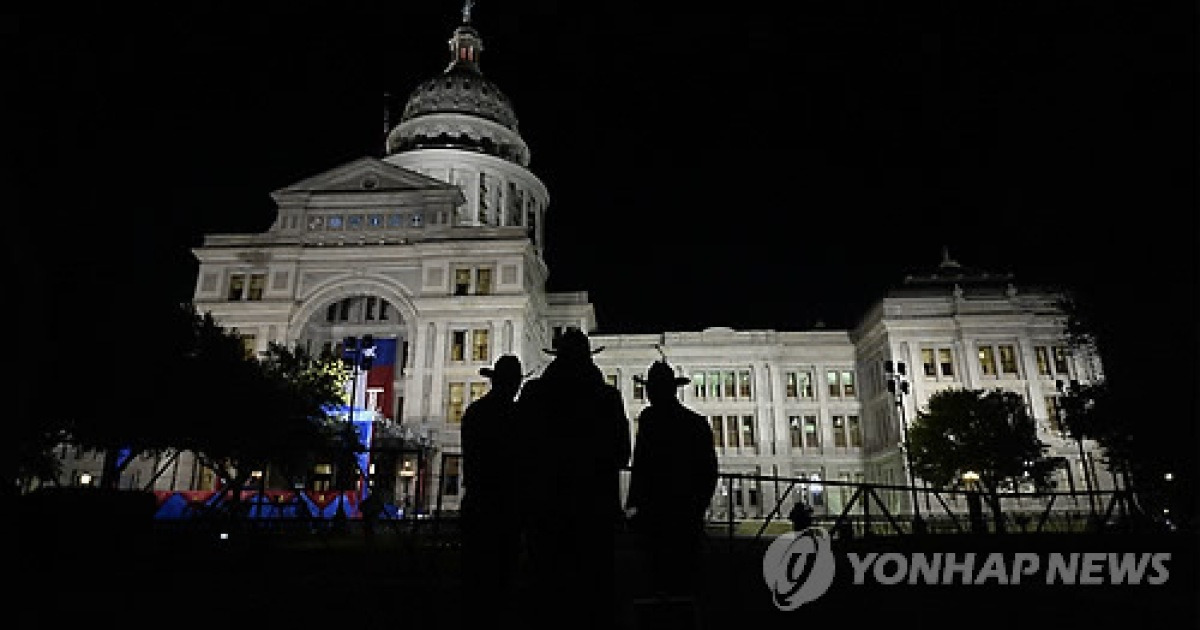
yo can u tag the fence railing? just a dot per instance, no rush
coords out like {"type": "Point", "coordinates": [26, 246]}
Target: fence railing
{"type": "Point", "coordinates": [742, 506]}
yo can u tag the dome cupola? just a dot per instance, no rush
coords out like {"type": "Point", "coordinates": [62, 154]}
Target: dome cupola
{"type": "Point", "coordinates": [460, 108]}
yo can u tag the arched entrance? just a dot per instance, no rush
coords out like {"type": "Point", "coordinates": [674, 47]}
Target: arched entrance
{"type": "Point", "coordinates": [399, 461]}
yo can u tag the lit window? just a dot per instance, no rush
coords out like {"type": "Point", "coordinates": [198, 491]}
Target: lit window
{"type": "Point", "coordinates": [731, 431]}
{"type": "Point", "coordinates": [839, 431]}
{"type": "Point", "coordinates": [1008, 359]}
{"type": "Point", "coordinates": [848, 383]}
{"type": "Point", "coordinates": [458, 345]}
{"type": "Point", "coordinates": [946, 360]}
{"type": "Point", "coordinates": [1060, 360]}
{"type": "Point", "coordinates": [794, 431]}
{"type": "Point", "coordinates": [792, 385]}
{"type": "Point", "coordinates": [987, 361]}
{"type": "Point", "coordinates": [237, 284]}
{"type": "Point", "coordinates": [718, 432]}
{"type": "Point", "coordinates": [456, 404]}
{"type": "Point", "coordinates": [729, 388]}
{"type": "Point", "coordinates": [812, 437]}
{"type": "Point", "coordinates": [483, 282]}
{"type": "Point", "coordinates": [1042, 356]}
{"type": "Point", "coordinates": [747, 431]}
{"type": "Point", "coordinates": [462, 281]}
{"type": "Point", "coordinates": [479, 345]}
{"type": "Point", "coordinates": [744, 389]}
{"type": "Point", "coordinates": [855, 431]}
{"type": "Point", "coordinates": [835, 391]}
{"type": "Point", "coordinates": [257, 282]}
{"type": "Point", "coordinates": [478, 389]}
{"type": "Point", "coordinates": [927, 362]}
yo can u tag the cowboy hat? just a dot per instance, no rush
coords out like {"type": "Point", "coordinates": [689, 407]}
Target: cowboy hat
{"type": "Point", "coordinates": [661, 373]}
{"type": "Point", "coordinates": [507, 367]}
{"type": "Point", "coordinates": [572, 342]}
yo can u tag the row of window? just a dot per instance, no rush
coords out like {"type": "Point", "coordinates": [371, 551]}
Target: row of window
{"type": "Point", "coordinates": [805, 431]}
{"type": "Point", "coordinates": [394, 220]}
{"type": "Point", "coordinates": [472, 281]}
{"type": "Point", "coordinates": [362, 309]}
{"type": "Point", "coordinates": [243, 286]}
{"type": "Point", "coordinates": [477, 342]}
{"type": "Point", "coordinates": [731, 385]}
{"type": "Point", "coordinates": [722, 385]}
{"type": "Point", "coordinates": [994, 360]}
{"type": "Point", "coordinates": [733, 431]}
{"type": "Point", "coordinates": [461, 395]}
{"type": "Point", "coordinates": [799, 384]}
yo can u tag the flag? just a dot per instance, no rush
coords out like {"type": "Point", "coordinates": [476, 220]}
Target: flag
{"type": "Point", "coordinates": [382, 376]}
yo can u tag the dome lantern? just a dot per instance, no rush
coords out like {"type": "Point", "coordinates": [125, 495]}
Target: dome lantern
{"type": "Point", "coordinates": [460, 108]}
{"type": "Point", "coordinates": [465, 44]}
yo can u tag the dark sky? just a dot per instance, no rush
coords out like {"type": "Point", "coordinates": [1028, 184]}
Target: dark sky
{"type": "Point", "coordinates": [759, 165]}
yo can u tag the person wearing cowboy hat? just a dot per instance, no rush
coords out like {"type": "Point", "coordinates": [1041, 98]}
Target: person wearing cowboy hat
{"type": "Point", "coordinates": [578, 433]}
{"type": "Point", "coordinates": [673, 479]}
{"type": "Point", "coordinates": [490, 517]}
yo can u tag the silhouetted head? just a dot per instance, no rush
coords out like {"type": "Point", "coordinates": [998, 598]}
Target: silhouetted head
{"type": "Point", "coordinates": [505, 375]}
{"type": "Point", "coordinates": [661, 382]}
{"type": "Point", "coordinates": [573, 345]}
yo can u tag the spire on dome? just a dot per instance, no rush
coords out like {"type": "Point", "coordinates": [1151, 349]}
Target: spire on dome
{"type": "Point", "coordinates": [465, 44]}
{"type": "Point", "coordinates": [947, 261]}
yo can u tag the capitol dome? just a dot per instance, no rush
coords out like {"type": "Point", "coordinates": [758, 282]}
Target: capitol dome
{"type": "Point", "coordinates": [460, 109]}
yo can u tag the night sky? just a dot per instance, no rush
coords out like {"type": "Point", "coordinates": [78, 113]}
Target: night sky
{"type": "Point", "coordinates": [760, 165]}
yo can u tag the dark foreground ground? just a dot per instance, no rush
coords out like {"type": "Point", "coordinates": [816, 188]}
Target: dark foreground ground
{"type": "Point", "coordinates": [72, 576]}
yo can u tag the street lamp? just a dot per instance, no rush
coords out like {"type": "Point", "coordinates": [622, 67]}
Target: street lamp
{"type": "Point", "coordinates": [359, 354]}
{"type": "Point", "coordinates": [897, 386]}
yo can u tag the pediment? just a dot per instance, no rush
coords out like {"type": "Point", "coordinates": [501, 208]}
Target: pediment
{"type": "Point", "coordinates": [368, 175]}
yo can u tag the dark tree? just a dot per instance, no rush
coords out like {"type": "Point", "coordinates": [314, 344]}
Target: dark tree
{"type": "Point", "coordinates": [989, 433]}
{"type": "Point", "coordinates": [198, 389]}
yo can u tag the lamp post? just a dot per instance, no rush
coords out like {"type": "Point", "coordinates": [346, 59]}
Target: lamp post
{"type": "Point", "coordinates": [897, 386]}
{"type": "Point", "coordinates": [358, 355]}
{"type": "Point", "coordinates": [1087, 477]}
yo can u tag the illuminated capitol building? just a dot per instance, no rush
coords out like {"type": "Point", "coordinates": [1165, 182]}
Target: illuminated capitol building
{"type": "Point", "coordinates": [436, 250]}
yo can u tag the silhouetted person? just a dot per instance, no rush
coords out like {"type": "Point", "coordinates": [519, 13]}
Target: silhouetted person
{"type": "Point", "coordinates": [674, 476]}
{"type": "Point", "coordinates": [491, 518]}
{"type": "Point", "coordinates": [578, 436]}
{"type": "Point", "coordinates": [371, 509]}
{"type": "Point", "coordinates": [801, 516]}
{"type": "Point", "coordinates": [975, 513]}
